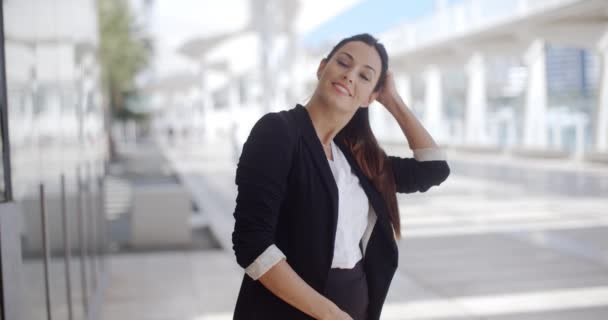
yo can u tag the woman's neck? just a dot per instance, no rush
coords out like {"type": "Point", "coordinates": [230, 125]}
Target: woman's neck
{"type": "Point", "coordinates": [326, 120]}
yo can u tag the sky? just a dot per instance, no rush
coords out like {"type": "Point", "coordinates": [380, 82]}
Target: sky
{"type": "Point", "coordinates": [371, 16]}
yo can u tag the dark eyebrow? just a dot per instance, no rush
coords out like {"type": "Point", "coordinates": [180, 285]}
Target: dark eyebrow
{"type": "Point", "coordinates": [351, 57]}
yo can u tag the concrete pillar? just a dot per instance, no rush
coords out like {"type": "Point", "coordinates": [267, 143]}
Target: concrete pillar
{"type": "Point", "coordinates": [233, 97]}
{"type": "Point", "coordinates": [535, 127]}
{"type": "Point", "coordinates": [475, 116]}
{"type": "Point", "coordinates": [403, 84]}
{"type": "Point", "coordinates": [580, 124]}
{"type": "Point", "coordinates": [263, 21]}
{"type": "Point", "coordinates": [377, 121]}
{"type": "Point", "coordinates": [601, 119]}
{"type": "Point", "coordinates": [289, 12]}
{"type": "Point", "coordinates": [383, 123]}
{"type": "Point", "coordinates": [508, 122]}
{"type": "Point", "coordinates": [293, 90]}
{"type": "Point", "coordinates": [433, 97]}
{"type": "Point", "coordinates": [556, 132]}
{"type": "Point", "coordinates": [280, 100]}
{"type": "Point", "coordinates": [206, 103]}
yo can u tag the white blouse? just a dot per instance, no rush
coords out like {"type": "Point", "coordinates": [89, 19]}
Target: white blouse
{"type": "Point", "coordinates": [353, 210]}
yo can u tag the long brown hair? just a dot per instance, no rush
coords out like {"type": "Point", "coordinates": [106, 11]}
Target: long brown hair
{"type": "Point", "coordinates": [357, 135]}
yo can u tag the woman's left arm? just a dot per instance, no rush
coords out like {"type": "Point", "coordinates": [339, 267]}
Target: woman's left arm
{"type": "Point", "coordinates": [429, 166]}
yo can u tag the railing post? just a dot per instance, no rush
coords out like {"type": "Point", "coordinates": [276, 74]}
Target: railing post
{"type": "Point", "coordinates": [66, 248]}
{"type": "Point", "coordinates": [46, 253]}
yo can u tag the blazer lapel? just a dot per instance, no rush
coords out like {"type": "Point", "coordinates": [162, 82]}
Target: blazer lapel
{"type": "Point", "coordinates": [320, 160]}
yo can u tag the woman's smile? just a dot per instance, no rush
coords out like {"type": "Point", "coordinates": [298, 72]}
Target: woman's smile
{"type": "Point", "coordinates": [341, 88]}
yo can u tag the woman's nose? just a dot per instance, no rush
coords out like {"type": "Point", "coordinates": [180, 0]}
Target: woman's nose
{"type": "Point", "coordinates": [348, 77]}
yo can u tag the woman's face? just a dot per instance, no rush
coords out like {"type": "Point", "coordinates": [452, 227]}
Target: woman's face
{"type": "Point", "coordinates": [348, 78]}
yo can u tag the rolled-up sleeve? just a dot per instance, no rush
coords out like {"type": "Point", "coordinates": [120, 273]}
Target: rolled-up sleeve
{"type": "Point", "coordinates": [428, 167]}
{"type": "Point", "coordinates": [271, 256]}
{"type": "Point", "coordinates": [261, 178]}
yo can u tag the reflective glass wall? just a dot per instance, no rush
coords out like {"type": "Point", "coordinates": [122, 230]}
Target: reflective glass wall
{"type": "Point", "coordinates": [57, 151]}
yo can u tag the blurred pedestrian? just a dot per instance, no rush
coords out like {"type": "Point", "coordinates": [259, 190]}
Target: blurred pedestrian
{"type": "Point", "coordinates": [316, 217]}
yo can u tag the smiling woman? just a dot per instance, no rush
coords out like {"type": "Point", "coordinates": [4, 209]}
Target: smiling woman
{"type": "Point", "coordinates": [316, 217]}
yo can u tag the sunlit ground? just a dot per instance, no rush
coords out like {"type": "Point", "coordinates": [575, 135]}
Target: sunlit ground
{"type": "Point", "coordinates": [474, 247]}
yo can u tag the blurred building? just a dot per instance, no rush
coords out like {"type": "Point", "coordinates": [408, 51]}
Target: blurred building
{"type": "Point", "coordinates": [255, 64]}
{"type": "Point", "coordinates": [53, 154]}
{"type": "Point", "coordinates": [524, 75]}
{"type": "Point", "coordinates": [505, 76]}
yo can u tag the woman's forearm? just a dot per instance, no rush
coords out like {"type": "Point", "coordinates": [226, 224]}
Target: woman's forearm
{"type": "Point", "coordinates": [286, 284]}
{"type": "Point", "coordinates": [415, 133]}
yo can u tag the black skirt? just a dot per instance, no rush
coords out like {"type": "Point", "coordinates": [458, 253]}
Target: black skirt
{"type": "Point", "coordinates": [347, 288]}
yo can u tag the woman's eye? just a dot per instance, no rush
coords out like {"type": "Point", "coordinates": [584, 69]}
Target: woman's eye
{"type": "Point", "coordinates": [342, 63]}
{"type": "Point", "coordinates": [365, 77]}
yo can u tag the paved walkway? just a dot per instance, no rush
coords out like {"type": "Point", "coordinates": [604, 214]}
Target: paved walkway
{"type": "Point", "coordinates": [481, 246]}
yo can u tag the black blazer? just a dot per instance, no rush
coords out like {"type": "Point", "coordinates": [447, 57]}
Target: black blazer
{"type": "Point", "coordinates": [287, 196]}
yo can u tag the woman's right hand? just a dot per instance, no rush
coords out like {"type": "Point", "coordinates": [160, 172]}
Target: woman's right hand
{"type": "Point", "coordinates": [336, 314]}
{"type": "Point", "coordinates": [342, 316]}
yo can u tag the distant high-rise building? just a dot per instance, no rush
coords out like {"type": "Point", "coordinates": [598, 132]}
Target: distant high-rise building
{"type": "Point", "coordinates": [571, 71]}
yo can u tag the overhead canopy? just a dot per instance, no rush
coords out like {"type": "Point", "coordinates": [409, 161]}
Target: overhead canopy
{"type": "Point", "coordinates": [196, 47]}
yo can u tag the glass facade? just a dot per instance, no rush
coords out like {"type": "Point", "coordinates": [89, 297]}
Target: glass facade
{"type": "Point", "coordinates": [57, 153]}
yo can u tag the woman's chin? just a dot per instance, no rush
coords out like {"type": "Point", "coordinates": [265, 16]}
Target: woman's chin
{"type": "Point", "coordinates": [339, 103]}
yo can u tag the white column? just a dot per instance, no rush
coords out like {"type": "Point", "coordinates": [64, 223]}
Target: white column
{"type": "Point", "coordinates": [580, 123]}
{"type": "Point", "coordinates": [403, 84]}
{"type": "Point", "coordinates": [290, 61]}
{"type": "Point", "coordinates": [280, 100]}
{"type": "Point", "coordinates": [206, 103]}
{"type": "Point", "coordinates": [535, 127]}
{"type": "Point", "coordinates": [556, 132]}
{"type": "Point", "coordinates": [385, 128]}
{"type": "Point", "coordinates": [377, 121]}
{"type": "Point", "coordinates": [510, 127]}
{"type": "Point", "coordinates": [601, 120]}
{"type": "Point", "coordinates": [263, 21]}
{"type": "Point", "coordinates": [433, 98]}
{"type": "Point", "coordinates": [233, 96]}
{"type": "Point", "coordinates": [475, 116]}
{"type": "Point", "coordinates": [289, 12]}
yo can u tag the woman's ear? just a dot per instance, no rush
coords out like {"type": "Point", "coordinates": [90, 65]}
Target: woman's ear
{"type": "Point", "coordinates": [321, 67]}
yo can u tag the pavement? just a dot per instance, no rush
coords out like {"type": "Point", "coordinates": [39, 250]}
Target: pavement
{"type": "Point", "coordinates": [502, 238]}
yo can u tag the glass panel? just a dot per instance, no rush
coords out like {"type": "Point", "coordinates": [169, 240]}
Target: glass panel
{"type": "Point", "coordinates": [56, 126]}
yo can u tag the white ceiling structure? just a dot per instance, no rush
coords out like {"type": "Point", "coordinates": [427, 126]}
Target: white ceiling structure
{"type": "Point", "coordinates": [174, 23]}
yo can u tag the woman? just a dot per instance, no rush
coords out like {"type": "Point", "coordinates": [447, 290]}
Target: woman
{"type": "Point", "coordinates": [316, 217]}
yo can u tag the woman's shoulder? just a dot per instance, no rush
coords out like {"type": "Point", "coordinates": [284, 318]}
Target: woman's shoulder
{"type": "Point", "coordinates": [280, 124]}
{"type": "Point", "coordinates": [272, 138]}
{"type": "Point", "coordinates": [274, 129]}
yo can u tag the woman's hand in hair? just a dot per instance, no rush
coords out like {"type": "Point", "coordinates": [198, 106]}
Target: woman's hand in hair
{"type": "Point", "coordinates": [388, 95]}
